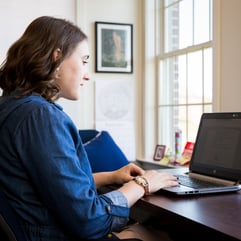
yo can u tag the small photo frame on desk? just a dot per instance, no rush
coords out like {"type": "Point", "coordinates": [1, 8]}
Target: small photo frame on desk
{"type": "Point", "coordinates": [114, 47]}
{"type": "Point", "coordinates": [159, 152]}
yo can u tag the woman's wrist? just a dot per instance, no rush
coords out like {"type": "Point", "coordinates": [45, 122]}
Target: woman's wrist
{"type": "Point", "coordinates": [132, 191]}
{"type": "Point", "coordinates": [142, 181]}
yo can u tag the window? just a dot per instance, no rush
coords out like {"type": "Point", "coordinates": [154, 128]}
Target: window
{"type": "Point", "coordinates": [185, 68]}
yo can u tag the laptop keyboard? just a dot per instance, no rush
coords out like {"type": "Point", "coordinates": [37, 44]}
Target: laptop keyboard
{"type": "Point", "coordinates": [196, 183]}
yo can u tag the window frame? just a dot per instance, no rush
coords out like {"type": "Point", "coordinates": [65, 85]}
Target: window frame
{"type": "Point", "coordinates": [162, 55]}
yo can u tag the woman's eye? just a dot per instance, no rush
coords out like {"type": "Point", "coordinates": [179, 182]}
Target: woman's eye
{"type": "Point", "coordinates": [85, 59]}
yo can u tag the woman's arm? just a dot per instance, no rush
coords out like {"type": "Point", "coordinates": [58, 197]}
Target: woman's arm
{"type": "Point", "coordinates": [119, 176]}
{"type": "Point", "coordinates": [131, 189]}
{"type": "Point", "coordinates": [103, 178]}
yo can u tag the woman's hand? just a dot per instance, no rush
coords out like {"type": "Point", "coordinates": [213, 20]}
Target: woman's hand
{"type": "Point", "coordinates": [127, 173]}
{"type": "Point", "coordinates": [158, 180]}
{"type": "Point", "coordinates": [155, 179]}
{"type": "Point", "coordinates": [120, 176]}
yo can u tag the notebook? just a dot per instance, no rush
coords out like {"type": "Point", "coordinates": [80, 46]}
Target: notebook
{"type": "Point", "coordinates": [216, 155]}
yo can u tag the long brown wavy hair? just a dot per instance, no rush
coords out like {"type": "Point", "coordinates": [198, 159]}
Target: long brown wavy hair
{"type": "Point", "coordinates": [29, 66]}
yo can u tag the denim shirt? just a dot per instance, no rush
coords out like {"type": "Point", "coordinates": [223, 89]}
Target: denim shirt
{"type": "Point", "coordinates": [47, 177]}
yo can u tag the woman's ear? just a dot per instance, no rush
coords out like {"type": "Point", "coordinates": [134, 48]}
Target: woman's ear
{"type": "Point", "coordinates": [57, 54]}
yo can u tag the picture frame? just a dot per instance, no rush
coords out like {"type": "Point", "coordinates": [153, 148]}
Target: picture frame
{"type": "Point", "coordinates": [114, 47]}
{"type": "Point", "coordinates": [159, 152]}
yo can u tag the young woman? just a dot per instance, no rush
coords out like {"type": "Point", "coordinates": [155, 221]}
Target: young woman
{"type": "Point", "coordinates": [45, 172]}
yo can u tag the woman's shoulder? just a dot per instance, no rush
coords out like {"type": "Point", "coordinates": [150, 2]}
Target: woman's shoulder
{"type": "Point", "coordinates": [34, 108]}
{"type": "Point", "coordinates": [35, 103]}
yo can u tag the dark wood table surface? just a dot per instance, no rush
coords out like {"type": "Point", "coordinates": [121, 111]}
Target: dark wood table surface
{"type": "Point", "coordinates": [217, 214]}
{"type": "Point", "coordinates": [215, 217]}
{"type": "Point", "coordinates": [220, 213]}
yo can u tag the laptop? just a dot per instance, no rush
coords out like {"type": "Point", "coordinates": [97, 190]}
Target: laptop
{"type": "Point", "coordinates": [216, 156]}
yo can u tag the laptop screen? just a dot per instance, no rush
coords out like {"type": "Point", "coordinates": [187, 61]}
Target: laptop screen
{"type": "Point", "coordinates": [217, 150]}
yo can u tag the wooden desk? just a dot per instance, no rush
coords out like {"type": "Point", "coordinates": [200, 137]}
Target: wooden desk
{"type": "Point", "coordinates": [215, 217]}
{"type": "Point", "coordinates": [218, 215]}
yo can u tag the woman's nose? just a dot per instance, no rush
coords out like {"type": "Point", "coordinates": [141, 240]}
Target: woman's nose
{"type": "Point", "coordinates": [86, 77]}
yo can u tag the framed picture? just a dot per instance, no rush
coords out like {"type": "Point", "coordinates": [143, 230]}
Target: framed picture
{"type": "Point", "coordinates": [159, 152]}
{"type": "Point", "coordinates": [114, 47]}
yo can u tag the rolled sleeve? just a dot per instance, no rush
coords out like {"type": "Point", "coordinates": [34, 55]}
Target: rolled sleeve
{"type": "Point", "coordinates": [119, 209]}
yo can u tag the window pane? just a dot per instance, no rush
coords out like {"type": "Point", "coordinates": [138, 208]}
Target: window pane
{"type": "Point", "coordinates": [179, 25]}
{"type": "Point", "coordinates": [173, 82]}
{"type": "Point", "coordinates": [168, 2]}
{"type": "Point", "coordinates": [195, 83]}
{"type": "Point", "coordinates": [186, 24]}
{"type": "Point", "coordinates": [171, 28]}
{"type": "Point", "coordinates": [208, 73]}
{"type": "Point", "coordinates": [185, 84]}
{"type": "Point", "coordinates": [182, 125]}
{"type": "Point", "coordinates": [165, 126]}
{"type": "Point", "coordinates": [194, 115]}
{"type": "Point", "coordinates": [173, 119]}
{"type": "Point", "coordinates": [166, 83]}
{"type": "Point", "coordinates": [208, 108]}
{"type": "Point", "coordinates": [201, 21]}
{"type": "Point", "coordinates": [182, 79]}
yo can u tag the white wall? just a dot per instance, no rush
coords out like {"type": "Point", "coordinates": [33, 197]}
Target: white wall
{"type": "Point", "coordinates": [230, 56]}
{"type": "Point", "coordinates": [89, 11]}
{"type": "Point", "coordinates": [115, 11]}
{"type": "Point", "coordinates": [15, 15]}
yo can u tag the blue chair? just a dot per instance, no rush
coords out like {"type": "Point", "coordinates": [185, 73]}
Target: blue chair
{"type": "Point", "coordinates": [87, 134]}
{"type": "Point", "coordinates": [103, 152]}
